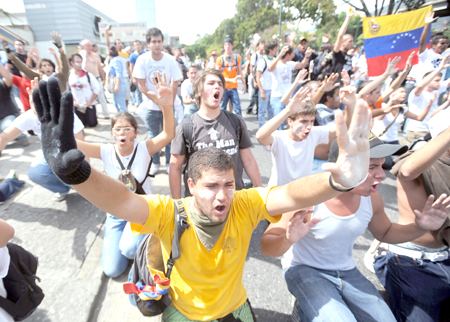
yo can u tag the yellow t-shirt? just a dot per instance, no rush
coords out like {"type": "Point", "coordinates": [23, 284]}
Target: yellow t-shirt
{"type": "Point", "coordinates": [124, 55]}
{"type": "Point", "coordinates": [230, 69]}
{"type": "Point", "coordinates": [207, 285]}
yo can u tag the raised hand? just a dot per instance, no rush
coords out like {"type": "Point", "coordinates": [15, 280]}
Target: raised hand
{"type": "Point", "coordinates": [283, 50]}
{"type": "Point", "coordinates": [329, 83]}
{"type": "Point", "coordinates": [445, 63]}
{"type": "Point", "coordinates": [164, 99]}
{"type": "Point", "coordinates": [429, 18]}
{"type": "Point", "coordinates": [56, 36]}
{"type": "Point", "coordinates": [347, 95]}
{"type": "Point", "coordinates": [4, 43]}
{"type": "Point", "coordinates": [352, 165]}
{"type": "Point", "coordinates": [408, 62]}
{"type": "Point", "coordinates": [296, 228]}
{"type": "Point", "coordinates": [390, 69]}
{"type": "Point", "coordinates": [58, 142]}
{"type": "Point", "coordinates": [434, 214]}
{"type": "Point", "coordinates": [300, 78]}
{"type": "Point", "coordinates": [52, 51]}
{"type": "Point", "coordinates": [108, 28]}
{"type": "Point", "coordinates": [308, 52]}
{"type": "Point", "coordinates": [34, 54]}
{"type": "Point", "coordinates": [34, 84]}
{"type": "Point", "coordinates": [297, 102]}
{"type": "Point", "coordinates": [345, 77]}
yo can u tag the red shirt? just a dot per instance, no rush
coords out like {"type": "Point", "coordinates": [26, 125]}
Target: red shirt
{"type": "Point", "coordinates": [22, 84]}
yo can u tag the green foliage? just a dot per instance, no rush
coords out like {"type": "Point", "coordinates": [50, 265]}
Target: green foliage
{"type": "Point", "coordinates": [316, 10]}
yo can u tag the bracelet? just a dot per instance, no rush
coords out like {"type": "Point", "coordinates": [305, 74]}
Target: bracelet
{"type": "Point", "coordinates": [345, 190]}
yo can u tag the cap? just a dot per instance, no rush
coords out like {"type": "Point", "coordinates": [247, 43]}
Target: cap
{"type": "Point", "coordinates": [378, 149]}
{"type": "Point", "coordinates": [301, 39]}
{"type": "Point", "coordinates": [439, 123]}
{"type": "Point", "coordinates": [228, 40]}
{"type": "Point", "coordinates": [213, 53]}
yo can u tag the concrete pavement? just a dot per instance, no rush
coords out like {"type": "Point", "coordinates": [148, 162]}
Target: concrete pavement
{"type": "Point", "coordinates": [67, 238]}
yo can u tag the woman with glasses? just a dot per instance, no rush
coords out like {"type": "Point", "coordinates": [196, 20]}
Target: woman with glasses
{"type": "Point", "coordinates": [125, 156]}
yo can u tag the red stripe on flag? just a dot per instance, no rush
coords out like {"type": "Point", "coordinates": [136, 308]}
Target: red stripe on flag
{"type": "Point", "coordinates": [377, 65]}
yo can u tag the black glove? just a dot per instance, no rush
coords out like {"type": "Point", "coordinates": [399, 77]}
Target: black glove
{"type": "Point", "coordinates": [58, 142]}
{"type": "Point", "coordinates": [5, 46]}
{"type": "Point", "coordinates": [56, 38]}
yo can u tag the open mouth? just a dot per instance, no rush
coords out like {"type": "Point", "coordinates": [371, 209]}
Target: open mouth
{"type": "Point", "coordinates": [216, 96]}
{"type": "Point", "coordinates": [220, 208]}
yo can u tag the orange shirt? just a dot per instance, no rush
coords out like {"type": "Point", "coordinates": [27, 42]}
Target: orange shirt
{"type": "Point", "coordinates": [230, 68]}
{"type": "Point", "coordinates": [378, 104]}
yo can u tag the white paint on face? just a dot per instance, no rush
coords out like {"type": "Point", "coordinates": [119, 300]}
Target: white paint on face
{"type": "Point", "coordinates": [298, 128]}
{"type": "Point", "coordinates": [207, 194]}
{"type": "Point", "coordinates": [122, 137]}
{"type": "Point", "coordinates": [231, 192]}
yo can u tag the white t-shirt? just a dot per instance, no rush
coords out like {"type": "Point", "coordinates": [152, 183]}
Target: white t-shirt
{"type": "Point", "coordinates": [418, 103]}
{"type": "Point", "coordinates": [282, 78]}
{"type": "Point", "coordinates": [81, 89]}
{"type": "Point", "coordinates": [266, 76]}
{"type": "Point", "coordinates": [186, 88]}
{"type": "Point", "coordinates": [361, 63]}
{"type": "Point", "coordinates": [294, 159]}
{"type": "Point", "coordinates": [138, 168]}
{"type": "Point", "coordinates": [146, 67]}
{"type": "Point", "coordinates": [29, 121]}
{"type": "Point", "coordinates": [392, 133]}
{"type": "Point", "coordinates": [255, 58]}
{"type": "Point", "coordinates": [429, 60]}
{"type": "Point", "coordinates": [4, 267]}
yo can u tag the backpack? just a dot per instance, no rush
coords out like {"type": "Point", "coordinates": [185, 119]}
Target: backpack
{"type": "Point", "coordinates": [222, 60]}
{"type": "Point", "coordinates": [256, 65]}
{"type": "Point", "coordinates": [24, 296]}
{"type": "Point", "coordinates": [188, 133]}
{"type": "Point", "coordinates": [150, 287]}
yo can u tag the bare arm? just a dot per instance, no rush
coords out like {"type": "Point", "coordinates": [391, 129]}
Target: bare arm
{"type": "Point", "coordinates": [422, 159]}
{"type": "Point", "coordinates": [300, 79]}
{"type": "Point", "coordinates": [342, 31]}
{"type": "Point", "coordinates": [400, 78]}
{"type": "Point", "coordinates": [58, 61]}
{"type": "Point", "coordinates": [429, 19]}
{"type": "Point", "coordinates": [421, 116]}
{"type": "Point", "coordinates": [445, 63]}
{"type": "Point", "coordinates": [90, 150]}
{"type": "Point", "coordinates": [273, 64]}
{"type": "Point", "coordinates": [100, 67]}
{"type": "Point", "coordinates": [108, 44]}
{"type": "Point", "coordinates": [250, 166]}
{"type": "Point", "coordinates": [9, 134]}
{"type": "Point", "coordinates": [6, 233]}
{"type": "Point", "coordinates": [443, 106]}
{"type": "Point", "coordinates": [328, 84]}
{"type": "Point", "coordinates": [390, 70]}
{"type": "Point", "coordinates": [7, 76]}
{"type": "Point", "coordinates": [176, 164]}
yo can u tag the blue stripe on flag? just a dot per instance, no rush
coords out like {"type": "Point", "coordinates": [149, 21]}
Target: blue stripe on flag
{"type": "Point", "coordinates": [392, 44]}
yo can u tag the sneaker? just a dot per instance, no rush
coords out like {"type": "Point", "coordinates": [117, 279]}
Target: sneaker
{"type": "Point", "coordinates": [12, 175]}
{"type": "Point", "coordinates": [167, 168]}
{"type": "Point", "coordinates": [154, 168]}
{"type": "Point", "coordinates": [60, 196]}
{"type": "Point", "coordinates": [25, 142]}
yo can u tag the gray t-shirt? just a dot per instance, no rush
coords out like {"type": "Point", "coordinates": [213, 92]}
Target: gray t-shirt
{"type": "Point", "coordinates": [219, 133]}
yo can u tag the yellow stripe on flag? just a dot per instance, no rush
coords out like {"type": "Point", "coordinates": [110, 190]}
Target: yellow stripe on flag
{"type": "Point", "coordinates": [393, 24]}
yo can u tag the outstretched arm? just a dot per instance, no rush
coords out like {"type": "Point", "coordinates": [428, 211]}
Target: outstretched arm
{"type": "Point", "coordinates": [342, 31]}
{"type": "Point", "coordinates": [429, 19]}
{"type": "Point", "coordinates": [6, 233]}
{"type": "Point", "coordinates": [274, 63]}
{"type": "Point", "coordinates": [31, 74]}
{"type": "Point", "coordinates": [250, 166]}
{"type": "Point", "coordinates": [390, 70]}
{"type": "Point", "coordinates": [349, 170]}
{"type": "Point", "coordinates": [300, 79]}
{"type": "Point", "coordinates": [445, 63]}
{"type": "Point", "coordinates": [69, 164]}
{"type": "Point", "coordinates": [328, 84]}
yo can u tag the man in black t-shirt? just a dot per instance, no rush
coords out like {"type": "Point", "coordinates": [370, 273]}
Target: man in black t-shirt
{"type": "Point", "coordinates": [19, 53]}
{"type": "Point", "coordinates": [344, 43]}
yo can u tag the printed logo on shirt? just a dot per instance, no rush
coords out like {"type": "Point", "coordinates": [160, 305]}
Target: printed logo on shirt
{"type": "Point", "coordinates": [220, 144]}
{"type": "Point", "coordinates": [229, 245]}
{"type": "Point", "coordinates": [436, 62]}
{"type": "Point", "coordinates": [78, 86]}
{"type": "Point", "coordinates": [213, 134]}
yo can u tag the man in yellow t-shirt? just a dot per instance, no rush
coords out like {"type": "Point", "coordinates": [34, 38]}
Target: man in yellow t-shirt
{"type": "Point", "coordinates": [230, 66]}
{"type": "Point", "coordinates": [206, 281]}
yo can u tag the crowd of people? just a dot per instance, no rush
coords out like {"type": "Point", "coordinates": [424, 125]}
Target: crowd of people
{"type": "Point", "coordinates": [330, 129]}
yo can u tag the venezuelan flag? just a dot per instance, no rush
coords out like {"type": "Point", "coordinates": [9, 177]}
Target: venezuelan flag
{"type": "Point", "coordinates": [390, 36]}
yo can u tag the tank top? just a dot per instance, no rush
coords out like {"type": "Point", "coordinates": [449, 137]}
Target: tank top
{"type": "Point", "coordinates": [329, 244]}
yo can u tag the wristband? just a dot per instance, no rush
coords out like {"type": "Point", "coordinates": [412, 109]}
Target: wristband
{"type": "Point", "coordinates": [8, 50]}
{"type": "Point", "coordinates": [80, 175]}
{"type": "Point", "coordinates": [333, 186]}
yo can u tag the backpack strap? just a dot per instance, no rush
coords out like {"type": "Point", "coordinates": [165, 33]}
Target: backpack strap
{"type": "Point", "coordinates": [236, 61]}
{"type": "Point", "coordinates": [88, 78]}
{"type": "Point", "coordinates": [180, 226]}
{"type": "Point", "coordinates": [222, 60]}
{"type": "Point", "coordinates": [129, 163]}
{"type": "Point", "coordinates": [236, 123]}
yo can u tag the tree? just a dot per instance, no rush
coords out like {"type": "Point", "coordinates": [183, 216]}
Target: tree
{"type": "Point", "coordinates": [392, 6]}
{"type": "Point", "coordinates": [316, 10]}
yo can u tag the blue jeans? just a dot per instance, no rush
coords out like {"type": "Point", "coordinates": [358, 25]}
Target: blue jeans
{"type": "Point", "coordinates": [154, 123]}
{"type": "Point", "coordinates": [416, 288]}
{"type": "Point", "coordinates": [277, 107]}
{"type": "Point", "coordinates": [119, 98]}
{"type": "Point", "coordinates": [41, 173]}
{"type": "Point", "coordinates": [119, 246]}
{"type": "Point", "coordinates": [336, 296]}
{"type": "Point", "coordinates": [6, 122]}
{"type": "Point", "coordinates": [264, 106]}
{"type": "Point", "coordinates": [8, 187]}
{"type": "Point", "coordinates": [136, 97]}
{"type": "Point", "coordinates": [232, 95]}
{"type": "Point", "coordinates": [190, 109]}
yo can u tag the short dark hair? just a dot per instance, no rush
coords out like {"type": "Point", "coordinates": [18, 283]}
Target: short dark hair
{"type": "Point", "coordinates": [137, 41]}
{"type": "Point", "coordinates": [435, 40]}
{"type": "Point", "coordinates": [72, 58]}
{"type": "Point", "coordinates": [331, 93]}
{"type": "Point", "coordinates": [113, 51]}
{"type": "Point", "coordinates": [199, 83]}
{"type": "Point", "coordinates": [288, 52]}
{"type": "Point", "coordinates": [21, 41]}
{"type": "Point", "coordinates": [124, 115]}
{"type": "Point", "coordinates": [153, 32]}
{"type": "Point", "coordinates": [260, 42]}
{"type": "Point", "coordinates": [209, 158]}
{"type": "Point", "coordinates": [48, 61]}
{"type": "Point", "coordinates": [116, 40]}
{"type": "Point", "coordinates": [271, 44]}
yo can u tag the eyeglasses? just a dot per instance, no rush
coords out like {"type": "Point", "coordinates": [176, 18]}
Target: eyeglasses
{"type": "Point", "coordinates": [125, 129]}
